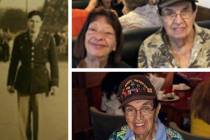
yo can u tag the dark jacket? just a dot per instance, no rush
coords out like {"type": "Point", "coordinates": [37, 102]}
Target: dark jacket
{"type": "Point", "coordinates": [27, 70]}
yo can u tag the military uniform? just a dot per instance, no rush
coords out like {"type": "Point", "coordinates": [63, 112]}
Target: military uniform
{"type": "Point", "coordinates": [155, 51]}
{"type": "Point", "coordinates": [30, 77]}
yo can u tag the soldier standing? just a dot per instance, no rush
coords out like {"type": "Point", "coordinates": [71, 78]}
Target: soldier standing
{"type": "Point", "coordinates": [29, 75]}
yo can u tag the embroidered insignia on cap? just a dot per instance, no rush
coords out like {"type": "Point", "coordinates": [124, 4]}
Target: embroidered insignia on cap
{"type": "Point", "coordinates": [135, 86]}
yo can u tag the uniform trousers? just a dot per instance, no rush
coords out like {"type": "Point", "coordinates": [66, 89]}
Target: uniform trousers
{"type": "Point", "coordinates": [31, 115]}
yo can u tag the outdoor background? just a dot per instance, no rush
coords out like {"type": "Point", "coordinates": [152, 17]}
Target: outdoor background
{"type": "Point", "coordinates": [13, 15]}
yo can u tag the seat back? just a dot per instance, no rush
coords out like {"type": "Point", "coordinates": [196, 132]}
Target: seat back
{"type": "Point", "coordinates": [132, 42]}
{"type": "Point", "coordinates": [204, 23]}
{"type": "Point", "coordinates": [187, 135]}
{"type": "Point", "coordinates": [104, 124]}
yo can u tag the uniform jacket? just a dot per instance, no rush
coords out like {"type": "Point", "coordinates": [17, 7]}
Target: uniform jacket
{"type": "Point", "coordinates": [27, 70]}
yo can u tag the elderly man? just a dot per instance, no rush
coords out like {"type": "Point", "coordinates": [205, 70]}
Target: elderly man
{"type": "Point", "coordinates": [32, 80]}
{"type": "Point", "coordinates": [180, 43]}
{"type": "Point", "coordinates": [141, 108]}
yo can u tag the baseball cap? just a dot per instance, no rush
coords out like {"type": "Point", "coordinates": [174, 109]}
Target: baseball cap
{"type": "Point", "coordinates": [136, 87]}
{"type": "Point", "coordinates": [164, 3]}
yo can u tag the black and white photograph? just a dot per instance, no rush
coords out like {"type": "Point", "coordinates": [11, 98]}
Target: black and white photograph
{"type": "Point", "coordinates": [34, 69]}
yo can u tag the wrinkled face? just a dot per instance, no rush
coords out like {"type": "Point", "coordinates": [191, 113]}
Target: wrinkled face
{"type": "Point", "coordinates": [100, 38]}
{"type": "Point", "coordinates": [34, 24]}
{"type": "Point", "coordinates": [178, 20]}
{"type": "Point", "coordinates": [140, 116]}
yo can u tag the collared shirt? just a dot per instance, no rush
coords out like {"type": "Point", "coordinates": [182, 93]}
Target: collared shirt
{"type": "Point", "coordinates": [141, 17]}
{"type": "Point", "coordinates": [162, 133]}
{"type": "Point", "coordinates": [155, 52]}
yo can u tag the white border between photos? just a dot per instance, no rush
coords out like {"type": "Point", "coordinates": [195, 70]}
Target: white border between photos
{"type": "Point", "coordinates": [140, 70]}
{"type": "Point", "coordinates": [69, 70]}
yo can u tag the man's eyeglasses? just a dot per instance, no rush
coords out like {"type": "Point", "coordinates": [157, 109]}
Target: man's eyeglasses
{"type": "Point", "coordinates": [145, 110]}
{"type": "Point", "coordinates": [185, 14]}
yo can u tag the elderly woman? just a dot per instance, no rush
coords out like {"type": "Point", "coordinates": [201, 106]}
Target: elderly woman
{"type": "Point", "coordinates": [139, 14]}
{"type": "Point", "coordinates": [100, 42]}
{"type": "Point", "coordinates": [141, 108]}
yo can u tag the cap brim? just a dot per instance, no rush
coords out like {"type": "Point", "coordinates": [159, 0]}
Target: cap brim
{"type": "Point", "coordinates": [170, 2]}
{"type": "Point", "coordinates": [140, 97]}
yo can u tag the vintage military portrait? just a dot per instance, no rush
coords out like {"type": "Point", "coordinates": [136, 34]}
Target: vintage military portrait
{"type": "Point", "coordinates": [34, 69]}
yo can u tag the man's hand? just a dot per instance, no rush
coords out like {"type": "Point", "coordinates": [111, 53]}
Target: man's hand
{"type": "Point", "coordinates": [10, 89]}
{"type": "Point", "coordinates": [52, 91]}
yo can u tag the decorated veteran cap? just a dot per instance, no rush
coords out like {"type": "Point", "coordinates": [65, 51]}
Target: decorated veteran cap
{"type": "Point", "coordinates": [165, 3]}
{"type": "Point", "coordinates": [136, 87]}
